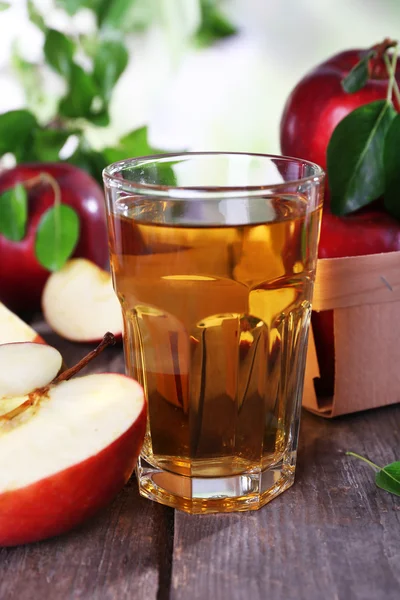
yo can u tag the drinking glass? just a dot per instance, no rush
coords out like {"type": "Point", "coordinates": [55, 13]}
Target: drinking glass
{"type": "Point", "coordinates": [213, 259]}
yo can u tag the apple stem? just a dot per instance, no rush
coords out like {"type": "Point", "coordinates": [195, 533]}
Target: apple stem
{"type": "Point", "coordinates": [391, 69]}
{"type": "Point", "coordinates": [45, 178]}
{"type": "Point", "coordinates": [108, 340]}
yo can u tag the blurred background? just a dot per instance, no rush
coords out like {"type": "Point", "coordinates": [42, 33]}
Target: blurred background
{"type": "Point", "coordinates": [201, 74]}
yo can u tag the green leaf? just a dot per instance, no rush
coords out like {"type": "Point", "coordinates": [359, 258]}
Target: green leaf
{"type": "Point", "coordinates": [112, 15]}
{"type": "Point", "coordinates": [82, 90]}
{"type": "Point", "coordinates": [131, 145]}
{"type": "Point", "coordinates": [14, 213]}
{"type": "Point", "coordinates": [388, 478]}
{"type": "Point", "coordinates": [391, 161]}
{"type": "Point", "coordinates": [59, 52]}
{"type": "Point", "coordinates": [47, 144]}
{"type": "Point", "coordinates": [89, 160]}
{"type": "Point", "coordinates": [56, 236]}
{"type": "Point", "coordinates": [16, 128]}
{"type": "Point", "coordinates": [35, 16]}
{"type": "Point", "coordinates": [30, 76]}
{"type": "Point", "coordinates": [358, 76]}
{"type": "Point", "coordinates": [214, 25]}
{"type": "Point", "coordinates": [4, 5]}
{"type": "Point", "coordinates": [72, 6]}
{"type": "Point", "coordinates": [355, 157]}
{"type": "Point", "coordinates": [110, 62]}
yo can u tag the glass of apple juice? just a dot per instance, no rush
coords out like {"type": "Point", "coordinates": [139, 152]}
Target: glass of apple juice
{"type": "Point", "coordinates": [213, 258]}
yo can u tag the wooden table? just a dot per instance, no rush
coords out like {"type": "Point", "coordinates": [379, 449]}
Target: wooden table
{"type": "Point", "coordinates": [332, 536]}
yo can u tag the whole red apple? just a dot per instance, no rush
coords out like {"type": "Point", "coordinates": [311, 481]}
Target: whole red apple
{"type": "Point", "coordinates": [319, 102]}
{"type": "Point", "coordinates": [313, 110]}
{"type": "Point", "coordinates": [22, 277]}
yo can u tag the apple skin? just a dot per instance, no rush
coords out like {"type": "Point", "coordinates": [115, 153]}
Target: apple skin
{"type": "Point", "coordinates": [21, 276]}
{"type": "Point", "coordinates": [62, 501]}
{"type": "Point", "coordinates": [318, 103]}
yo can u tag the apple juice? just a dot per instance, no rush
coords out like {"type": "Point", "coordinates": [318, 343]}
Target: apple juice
{"type": "Point", "coordinates": [216, 321]}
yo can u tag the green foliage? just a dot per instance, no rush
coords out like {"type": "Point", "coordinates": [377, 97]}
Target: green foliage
{"type": "Point", "coordinates": [355, 157]}
{"type": "Point", "coordinates": [14, 213]}
{"type": "Point", "coordinates": [59, 52]}
{"type": "Point", "coordinates": [89, 90]}
{"type": "Point", "coordinates": [56, 236]}
{"type": "Point", "coordinates": [214, 24]}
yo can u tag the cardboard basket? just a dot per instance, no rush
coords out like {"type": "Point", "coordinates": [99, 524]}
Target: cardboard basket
{"type": "Point", "coordinates": [364, 293]}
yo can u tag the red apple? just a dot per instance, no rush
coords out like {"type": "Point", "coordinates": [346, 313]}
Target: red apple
{"type": "Point", "coordinates": [313, 110]}
{"type": "Point", "coordinates": [79, 302]}
{"type": "Point", "coordinates": [21, 276]}
{"type": "Point", "coordinates": [66, 449]}
{"type": "Point", "coordinates": [318, 103]}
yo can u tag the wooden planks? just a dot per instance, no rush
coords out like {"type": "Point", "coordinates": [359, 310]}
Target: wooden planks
{"type": "Point", "coordinates": [123, 554]}
{"type": "Point", "coordinates": [333, 536]}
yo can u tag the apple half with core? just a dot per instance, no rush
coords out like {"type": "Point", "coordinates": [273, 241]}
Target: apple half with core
{"type": "Point", "coordinates": [66, 447]}
{"type": "Point", "coordinates": [79, 302]}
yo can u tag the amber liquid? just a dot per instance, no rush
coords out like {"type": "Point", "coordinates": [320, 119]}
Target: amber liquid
{"type": "Point", "coordinates": [216, 322]}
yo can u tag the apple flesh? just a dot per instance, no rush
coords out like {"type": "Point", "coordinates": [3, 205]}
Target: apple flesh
{"type": "Point", "coordinates": [14, 329]}
{"type": "Point", "coordinates": [22, 277]}
{"type": "Point", "coordinates": [79, 302]}
{"type": "Point", "coordinates": [67, 452]}
{"type": "Point", "coordinates": [26, 366]}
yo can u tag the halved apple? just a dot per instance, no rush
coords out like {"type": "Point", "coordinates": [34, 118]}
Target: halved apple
{"type": "Point", "coordinates": [14, 329]}
{"type": "Point", "coordinates": [79, 302]}
{"type": "Point", "coordinates": [66, 449]}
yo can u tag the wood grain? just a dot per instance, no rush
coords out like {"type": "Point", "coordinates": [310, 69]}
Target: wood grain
{"type": "Point", "coordinates": [333, 536]}
{"type": "Point", "coordinates": [124, 553]}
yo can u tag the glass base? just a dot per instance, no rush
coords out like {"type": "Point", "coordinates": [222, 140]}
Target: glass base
{"type": "Point", "coordinates": [203, 495]}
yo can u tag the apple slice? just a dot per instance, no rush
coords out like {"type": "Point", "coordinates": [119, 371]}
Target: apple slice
{"type": "Point", "coordinates": [66, 451]}
{"type": "Point", "coordinates": [26, 366]}
{"type": "Point", "coordinates": [13, 329]}
{"type": "Point", "coordinates": [79, 302]}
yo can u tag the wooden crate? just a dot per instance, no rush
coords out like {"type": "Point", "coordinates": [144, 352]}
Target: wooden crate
{"type": "Point", "coordinates": [364, 293]}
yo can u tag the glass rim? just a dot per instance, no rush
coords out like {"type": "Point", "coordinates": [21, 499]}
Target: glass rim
{"type": "Point", "coordinates": [111, 179]}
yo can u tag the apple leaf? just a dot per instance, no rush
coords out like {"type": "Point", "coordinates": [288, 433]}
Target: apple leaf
{"type": "Point", "coordinates": [35, 16]}
{"type": "Point", "coordinates": [59, 52]}
{"type": "Point", "coordinates": [214, 25]}
{"type": "Point", "coordinates": [388, 478]}
{"type": "Point", "coordinates": [391, 160]}
{"type": "Point", "coordinates": [16, 129]}
{"type": "Point", "coordinates": [56, 236]}
{"type": "Point", "coordinates": [47, 144]}
{"type": "Point", "coordinates": [132, 144]}
{"type": "Point", "coordinates": [72, 6]}
{"type": "Point", "coordinates": [356, 79]}
{"type": "Point", "coordinates": [355, 157]}
{"type": "Point", "coordinates": [82, 90]}
{"type": "Point", "coordinates": [14, 213]}
{"type": "Point", "coordinates": [89, 160]}
{"type": "Point", "coordinates": [110, 62]}
{"type": "Point", "coordinates": [112, 15]}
